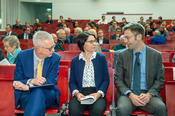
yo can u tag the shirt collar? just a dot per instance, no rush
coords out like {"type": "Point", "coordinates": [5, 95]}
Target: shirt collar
{"type": "Point", "coordinates": [141, 51]}
{"type": "Point", "coordinates": [91, 58]}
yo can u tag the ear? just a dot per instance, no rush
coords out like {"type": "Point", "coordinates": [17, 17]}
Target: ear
{"type": "Point", "coordinates": [139, 37]}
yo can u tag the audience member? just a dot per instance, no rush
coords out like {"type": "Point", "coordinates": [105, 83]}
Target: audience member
{"type": "Point", "coordinates": [12, 46]}
{"type": "Point", "coordinates": [102, 20]}
{"type": "Point", "coordinates": [120, 45]}
{"type": "Point", "coordinates": [27, 24]}
{"type": "Point", "coordinates": [113, 20]}
{"type": "Point", "coordinates": [49, 20]}
{"type": "Point", "coordinates": [148, 30]}
{"type": "Point", "coordinates": [62, 36]}
{"type": "Point", "coordinates": [69, 37]}
{"type": "Point", "coordinates": [154, 26]}
{"type": "Point", "coordinates": [1, 54]}
{"type": "Point", "coordinates": [139, 78]}
{"type": "Point", "coordinates": [88, 77]}
{"type": "Point", "coordinates": [17, 25]}
{"type": "Point", "coordinates": [160, 20]}
{"type": "Point", "coordinates": [113, 26]}
{"type": "Point", "coordinates": [141, 21]}
{"type": "Point", "coordinates": [163, 30]}
{"type": "Point", "coordinates": [27, 34]}
{"type": "Point", "coordinates": [58, 46]}
{"type": "Point", "coordinates": [37, 22]}
{"type": "Point", "coordinates": [100, 37]}
{"type": "Point", "coordinates": [61, 21]}
{"type": "Point", "coordinates": [158, 39]}
{"type": "Point", "coordinates": [75, 24]}
{"type": "Point", "coordinates": [171, 26]}
{"type": "Point", "coordinates": [94, 32]}
{"type": "Point", "coordinates": [9, 31]}
{"type": "Point", "coordinates": [124, 22]}
{"type": "Point", "coordinates": [118, 33]}
{"type": "Point", "coordinates": [37, 67]}
{"type": "Point", "coordinates": [38, 28]}
{"type": "Point", "coordinates": [77, 31]}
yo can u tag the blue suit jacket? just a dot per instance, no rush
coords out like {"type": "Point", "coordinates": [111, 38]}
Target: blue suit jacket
{"type": "Point", "coordinates": [24, 70]}
{"type": "Point", "coordinates": [158, 40]}
{"type": "Point", "coordinates": [100, 70]}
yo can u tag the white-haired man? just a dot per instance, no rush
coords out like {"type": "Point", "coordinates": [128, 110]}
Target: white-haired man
{"type": "Point", "coordinates": [37, 67]}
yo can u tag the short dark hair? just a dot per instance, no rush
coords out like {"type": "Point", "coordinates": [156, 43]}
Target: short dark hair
{"type": "Point", "coordinates": [82, 38]}
{"type": "Point", "coordinates": [136, 29]}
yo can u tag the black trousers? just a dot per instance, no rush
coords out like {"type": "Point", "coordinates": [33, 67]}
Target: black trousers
{"type": "Point", "coordinates": [96, 109]}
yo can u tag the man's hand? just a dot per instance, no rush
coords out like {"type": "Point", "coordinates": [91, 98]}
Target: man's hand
{"type": "Point", "coordinates": [79, 95]}
{"type": "Point", "coordinates": [20, 86]}
{"type": "Point", "coordinates": [145, 97]}
{"type": "Point", "coordinates": [38, 81]}
{"type": "Point", "coordinates": [96, 95]}
{"type": "Point", "coordinates": [136, 100]}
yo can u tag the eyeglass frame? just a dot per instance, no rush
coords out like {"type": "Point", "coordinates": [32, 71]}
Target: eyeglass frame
{"type": "Point", "coordinates": [50, 49]}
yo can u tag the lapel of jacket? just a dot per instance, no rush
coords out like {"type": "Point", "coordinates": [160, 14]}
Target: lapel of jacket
{"type": "Point", "coordinates": [45, 66]}
{"type": "Point", "coordinates": [147, 63]}
{"type": "Point", "coordinates": [81, 69]}
{"type": "Point", "coordinates": [130, 59]}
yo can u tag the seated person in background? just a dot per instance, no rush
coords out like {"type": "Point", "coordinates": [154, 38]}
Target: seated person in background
{"type": "Point", "coordinates": [113, 20]}
{"type": "Point", "coordinates": [61, 21]}
{"type": "Point", "coordinates": [49, 20]}
{"type": "Point", "coordinates": [12, 46]}
{"type": "Point", "coordinates": [160, 20]}
{"type": "Point", "coordinates": [158, 39]}
{"type": "Point", "coordinates": [163, 30]}
{"type": "Point", "coordinates": [124, 22]}
{"type": "Point", "coordinates": [118, 33]}
{"type": "Point", "coordinates": [98, 47]}
{"type": "Point", "coordinates": [1, 54]}
{"type": "Point", "coordinates": [113, 27]}
{"type": "Point", "coordinates": [102, 20]}
{"type": "Point", "coordinates": [37, 66]}
{"type": "Point", "coordinates": [100, 37]}
{"type": "Point", "coordinates": [139, 75]}
{"type": "Point", "coordinates": [38, 28]}
{"type": "Point", "coordinates": [62, 36]}
{"type": "Point", "coordinates": [69, 37]}
{"type": "Point", "coordinates": [17, 25]}
{"type": "Point", "coordinates": [120, 45]}
{"type": "Point", "coordinates": [8, 32]}
{"type": "Point", "coordinates": [37, 22]}
{"type": "Point", "coordinates": [77, 31]}
{"type": "Point", "coordinates": [27, 24]}
{"type": "Point", "coordinates": [58, 46]}
{"type": "Point", "coordinates": [88, 76]}
{"type": "Point", "coordinates": [141, 21]}
{"type": "Point", "coordinates": [75, 24]}
{"type": "Point", "coordinates": [148, 30]}
{"type": "Point", "coordinates": [27, 34]}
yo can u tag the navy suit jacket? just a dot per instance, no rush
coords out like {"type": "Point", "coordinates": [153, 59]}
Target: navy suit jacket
{"type": "Point", "coordinates": [100, 70]}
{"type": "Point", "coordinates": [24, 70]}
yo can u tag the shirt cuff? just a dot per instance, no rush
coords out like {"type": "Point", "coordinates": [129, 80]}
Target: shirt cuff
{"type": "Point", "coordinates": [30, 85]}
{"type": "Point", "coordinates": [126, 92]}
{"type": "Point", "coordinates": [74, 91]}
{"type": "Point", "coordinates": [102, 94]}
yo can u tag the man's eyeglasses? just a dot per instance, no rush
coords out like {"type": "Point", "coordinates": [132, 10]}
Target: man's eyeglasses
{"type": "Point", "coordinates": [92, 41]}
{"type": "Point", "coordinates": [50, 49]}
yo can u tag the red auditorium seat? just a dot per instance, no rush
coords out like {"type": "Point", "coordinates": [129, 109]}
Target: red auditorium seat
{"type": "Point", "coordinates": [73, 47]}
{"type": "Point", "coordinates": [170, 102]}
{"type": "Point", "coordinates": [7, 93]}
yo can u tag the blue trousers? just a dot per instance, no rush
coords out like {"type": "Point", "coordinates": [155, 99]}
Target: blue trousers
{"type": "Point", "coordinates": [36, 101]}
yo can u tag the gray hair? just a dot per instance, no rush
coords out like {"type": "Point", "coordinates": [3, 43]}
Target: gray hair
{"type": "Point", "coordinates": [60, 31]}
{"type": "Point", "coordinates": [40, 36]}
{"type": "Point", "coordinates": [67, 29]}
{"type": "Point", "coordinates": [79, 29]}
{"type": "Point", "coordinates": [12, 40]}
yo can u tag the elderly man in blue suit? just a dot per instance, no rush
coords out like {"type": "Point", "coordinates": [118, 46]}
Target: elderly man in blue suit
{"type": "Point", "coordinates": [37, 67]}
